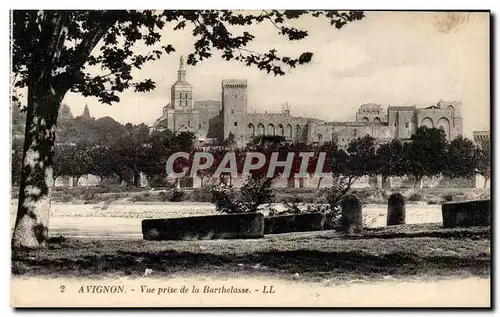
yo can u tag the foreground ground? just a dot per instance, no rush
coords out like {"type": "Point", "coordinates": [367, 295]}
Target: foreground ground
{"type": "Point", "coordinates": [424, 251]}
{"type": "Point", "coordinates": [123, 220]}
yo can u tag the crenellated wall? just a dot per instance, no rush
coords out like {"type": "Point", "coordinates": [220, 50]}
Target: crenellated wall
{"type": "Point", "coordinates": [292, 128]}
{"type": "Point", "coordinates": [371, 113]}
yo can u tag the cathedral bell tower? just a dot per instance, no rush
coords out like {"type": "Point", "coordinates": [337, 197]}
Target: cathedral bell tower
{"type": "Point", "coordinates": [181, 97]}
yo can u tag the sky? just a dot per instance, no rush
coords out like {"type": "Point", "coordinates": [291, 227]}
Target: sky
{"type": "Point", "coordinates": [388, 58]}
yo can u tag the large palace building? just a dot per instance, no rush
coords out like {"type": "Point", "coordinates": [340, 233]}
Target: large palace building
{"type": "Point", "coordinates": [214, 120]}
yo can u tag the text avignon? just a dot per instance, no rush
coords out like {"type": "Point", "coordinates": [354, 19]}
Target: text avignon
{"type": "Point", "coordinates": [101, 289]}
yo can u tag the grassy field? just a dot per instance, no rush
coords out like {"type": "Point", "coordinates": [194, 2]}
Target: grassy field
{"type": "Point", "coordinates": [412, 251]}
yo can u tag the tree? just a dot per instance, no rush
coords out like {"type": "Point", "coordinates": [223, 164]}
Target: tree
{"type": "Point", "coordinates": [392, 159]}
{"type": "Point", "coordinates": [426, 153]}
{"type": "Point", "coordinates": [359, 160]}
{"type": "Point", "coordinates": [86, 113]}
{"type": "Point", "coordinates": [461, 159]}
{"type": "Point", "coordinates": [63, 160]}
{"type": "Point", "coordinates": [102, 162]}
{"type": "Point", "coordinates": [331, 149]}
{"type": "Point", "coordinates": [362, 158]}
{"type": "Point", "coordinates": [72, 160]}
{"type": "Point", "coordinates": [483, 158]}
{"type": "Point", "coordinates": [229, 142]}
{"type": "Point", "coordinates": [65, 119]}
{"type": "Point", "coordinates": [92, 53]}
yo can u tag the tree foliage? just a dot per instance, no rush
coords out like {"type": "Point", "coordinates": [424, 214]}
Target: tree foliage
{"type": "Point", "coordinates": [104, 42]}
{"type": "Point", "coordinates": [483, 155]}
{"type": "Point", "coordinates": [461, 159]}
{"type": "Point", "coordinates": [392, 159]}
{"type": "Point", "coordinates": [426, 153]}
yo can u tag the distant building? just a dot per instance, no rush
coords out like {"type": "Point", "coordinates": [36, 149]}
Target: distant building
{"type": "Point", "coordinates": [481, 136]}
{"type": "Point", "coordinates": [218, 120]}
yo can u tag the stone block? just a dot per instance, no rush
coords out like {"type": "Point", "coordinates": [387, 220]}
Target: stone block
{"type": "Point", "coordinates": [396, 210]}
{"type": "Point", "coordinates": [352, 215]}
{"type": "Point", "coordinates": [294, 223]}
{"type": "Point", "coordinates": [466, 214]}
{"type": "Point", "coordinates": [232, 226]}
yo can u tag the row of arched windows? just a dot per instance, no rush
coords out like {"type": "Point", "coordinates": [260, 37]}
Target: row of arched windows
{"type": "Point", "coordinates": [271, 129]}
{"type": "Point", "coordinates": [375, 120]}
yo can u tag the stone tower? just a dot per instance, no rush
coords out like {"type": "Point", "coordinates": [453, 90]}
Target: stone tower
{"type": "Point", "coordinates": [234, 109]}
{"type": "Point", "coordinates": [181, 97]}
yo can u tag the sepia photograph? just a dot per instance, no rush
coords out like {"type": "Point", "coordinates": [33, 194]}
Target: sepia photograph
{"type": "Point", "coordinates": [250, 158]}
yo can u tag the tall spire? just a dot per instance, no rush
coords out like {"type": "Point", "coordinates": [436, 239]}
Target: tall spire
{"type": "Point", "coordinates": [181, 66]}
{"type": "Point", "coordinates": [181, 73]}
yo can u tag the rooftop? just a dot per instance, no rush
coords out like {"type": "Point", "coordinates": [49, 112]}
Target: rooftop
{"type": "Point", "coordinates": [234, 81]}
{"type": "Point", "coordinates": [371, 106]}
{"type": "Point", "coordinates": [398, 108]}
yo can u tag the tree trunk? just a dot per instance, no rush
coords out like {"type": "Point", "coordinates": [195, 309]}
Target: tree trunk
{"type": "Point", "coordinates": [386, 183]}
{"type": "Point", "coordinates": [47, 86]}
{"type": "Point", "coordinates": [137, 179]}
{"type": "Point", "coordinates": [76, 180]}
{"type": "Point", "coordinates": [31, 228]}
{"type": "Point", "coordinates": [418, 181]}
{"type": "Point", "coordinates": [485, 181]}
{"type": "Point", "coordinates": [319, 182]}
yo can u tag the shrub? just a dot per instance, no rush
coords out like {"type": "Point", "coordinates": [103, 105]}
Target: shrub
{"type": "Point", "coordinates": [163, 196]}
{"type": "Point", "coordinates": [447, 197]}
{"type": "Point", "coordinates": [224, 198]}
{"type": "Point", "coordinates": [254, 193]}
{"type": "Point", "coordinates": [434, 201]}
{"type": "Point", "coordinates": [415, 197]}
{"type": "Point", "coordinates": [57, 239]}
{"type": "Point", "coordinates": [66, 198]}
{"type": "Point", "coordinates": [327, 202]}
{"type": "Point", "coordinates": [203, 194]}
{"type": "Point", "coordinates": [177, 195]}
{"type": "Point", "coordinates": [136, 198]}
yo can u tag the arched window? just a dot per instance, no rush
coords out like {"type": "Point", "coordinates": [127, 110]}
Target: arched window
{"type": "Point", "coordinates": [251, 129]}
{"type": "Point", "coordinates": [288, 133]}
{"type": "Point", "coordinates": [298, 132]}
{"type": "Point", "coordinates": [270, 129]}
{"type": "Point", "coordinates": [281, 130]}
{"type": "Point", "coordinates": [260, 129]}
{"type": "Point", "coordinates": [428, 122]}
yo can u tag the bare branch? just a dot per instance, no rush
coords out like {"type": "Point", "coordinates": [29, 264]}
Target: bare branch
{"type": "Point", "coordinates": [268, 16]}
